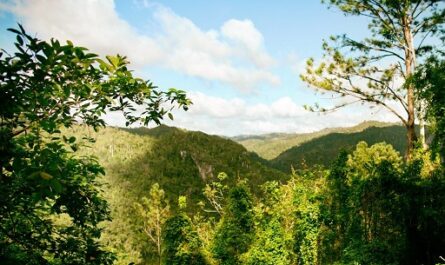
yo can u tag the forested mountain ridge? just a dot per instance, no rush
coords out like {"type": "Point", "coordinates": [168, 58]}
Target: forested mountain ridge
{"type": "Point", "coordinates": [323, 150]}
{"type": "Point", "coordinates": [181, 162]}
{"type": "Point", "coordinates": [270, 146]}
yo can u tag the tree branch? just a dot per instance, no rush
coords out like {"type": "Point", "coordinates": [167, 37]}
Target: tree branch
{"type": "Point", "coordinates": [402, 102]}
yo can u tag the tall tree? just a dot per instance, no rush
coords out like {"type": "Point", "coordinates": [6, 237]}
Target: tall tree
{"type": "Point", "coordinates": [182, 244]}
{"type": "Point", "coordinates": [270, 243]}
{"type": "Point", "coordinates": [154, 211]}
{"type": "Point", "coordinates": [51, 204]}
{"type": "Point", "coordinates": [375, 229]}
{"type": "Point", "coordinates": [236, 230]}
{"type": "Point", "coordinates": [430, 81]}
{"type": "Point", "coordinates": [375, 69]}
{"type": "Point", "coordinates": [269, 247]}
{"type": "Point", "coordinates": [306, 204]}
{"type": "Point", "coordinates": [214, 193]}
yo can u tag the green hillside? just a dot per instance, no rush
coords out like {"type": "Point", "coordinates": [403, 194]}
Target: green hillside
{"type": "Point", "coordinates": [182, 162]}
{"type": "Point", "coordinates": [325, 149]}
{"type": "Point", "coordinates": [269, 146]}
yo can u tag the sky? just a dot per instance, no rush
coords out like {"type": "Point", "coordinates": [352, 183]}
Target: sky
{"type": "Point", "coordinates": [239, 61]}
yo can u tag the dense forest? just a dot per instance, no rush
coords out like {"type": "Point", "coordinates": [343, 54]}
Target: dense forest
{"type": "Point", "coordinates": [370, 186]}
{"type": "Point", "coordinates": [269, 146]}
{"type": "Point", "coordinates": [75, 191]}
{"type": "Point", "coordinates": [323, 150]}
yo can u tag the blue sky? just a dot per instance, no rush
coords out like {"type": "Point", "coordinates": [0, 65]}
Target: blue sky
{"type": "Point", "coordinates": [238, 60]}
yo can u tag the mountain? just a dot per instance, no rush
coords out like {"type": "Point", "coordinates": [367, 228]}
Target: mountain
{"type": "Point", "coordinates": [269, 146]}
{"type": "Point", "coordinates": [323, 150]}
{"type": "Point", "coordinates": [180, 161]}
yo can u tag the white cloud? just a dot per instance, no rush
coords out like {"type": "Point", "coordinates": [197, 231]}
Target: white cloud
{"type": "Point", "coordinates": [235, 116]}
{"type": "Point", "coordinates": [233, 55]}
{"type": "Point", "coordinates": [285, 107]}
{"type": "Point", "coordinates": [215, 107]}
{"type": "Point", "coordinates": [244, 33]}
{"type": "Point", "coordinates": [93, 24]}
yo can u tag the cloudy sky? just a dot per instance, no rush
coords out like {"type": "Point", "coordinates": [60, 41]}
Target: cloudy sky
{"type": "Point", "coordinates": [239, 61]}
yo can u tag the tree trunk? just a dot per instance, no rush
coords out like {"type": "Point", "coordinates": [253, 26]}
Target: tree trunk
{"type": "Point", "coordinates": [422, 133]}
{"type": "Point", "coordinates": [421, 103]}
{"type": "Point", "coordinates": [422, 136]}
{"type": "Point", "coordinates": [409, 69]}
{"type": "Point", "coordinates": [411, 139]}
{"type": "Point", "coordinates": [159, 236]}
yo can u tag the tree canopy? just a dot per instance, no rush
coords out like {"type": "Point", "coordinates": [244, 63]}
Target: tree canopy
{"type": "Point", "coordinates": [375, 69]}
{"type": "Point", "coordinates": [430, 81]}
{"type": "Point", "coordinates": [51, 201]}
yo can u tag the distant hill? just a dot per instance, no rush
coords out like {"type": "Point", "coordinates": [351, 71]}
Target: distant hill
{"type": "Point", "coordinates": [269, 146]}
{"type": "Point", "coordinates": [323, 150]}
{"type": "Point", "coordinates": [181, 161]}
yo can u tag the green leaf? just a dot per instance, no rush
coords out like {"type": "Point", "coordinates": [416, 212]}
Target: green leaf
{"type": "Point", "coordinates": [45, 176]}
{"type": "Point", "coordinates": [19, 39]}
{"type": "Point", "coordinates": [56, 185]}
{"type": "Point", "coordinates": [72, 139]}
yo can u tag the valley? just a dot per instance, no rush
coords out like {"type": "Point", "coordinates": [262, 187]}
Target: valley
{"type": "Point", "coordinates": [183, 162]}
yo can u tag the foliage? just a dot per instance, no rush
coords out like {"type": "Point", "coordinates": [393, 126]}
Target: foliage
{"type": "Point", "coordinates": [182, 243]}
{"type": "Point", "coordinates": [376, 230]}
{"type": "Point", "coordinates": [375, 212]}
{"type": "Point", "coordinates": [137, 158]}
{"type": "Point", "coordinates": [205, 227]}
{"type": "Point", "coordinates": [322, 213]}
{"type": "Point", "coordinates": [430, 80]}
{"type": "Point", "coordinates": [236, 230]}
{"type": "Point", "coordinates": [323, 150]}
{"type": "Point", "coordinates": [269, 247]}
{"type": "Point", "coordinates": [154, 211]}
{"type": "Point", "coordinates": [270, 146]}
{"type": "Point", "coordinates": [366, 158]}
{"type": "Point", "coordinates": [426, 203]}
{"type": "Point", "coordinates": [368, 207]}
{"type": "Point", "coordinates": [336, 210]}
{"type": "Point", "coordinates": [182, 202]}
{"type": "Point", "coordinates": [307, 203]}
{"type": "Point", "coordinates": [368, 71]}
{"type": "Point", "coordinates": [214, 193]}
{"type": "Point", "coordinates": [323, 209]}
{"type": "Point", "coordinates": [51, 203]}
